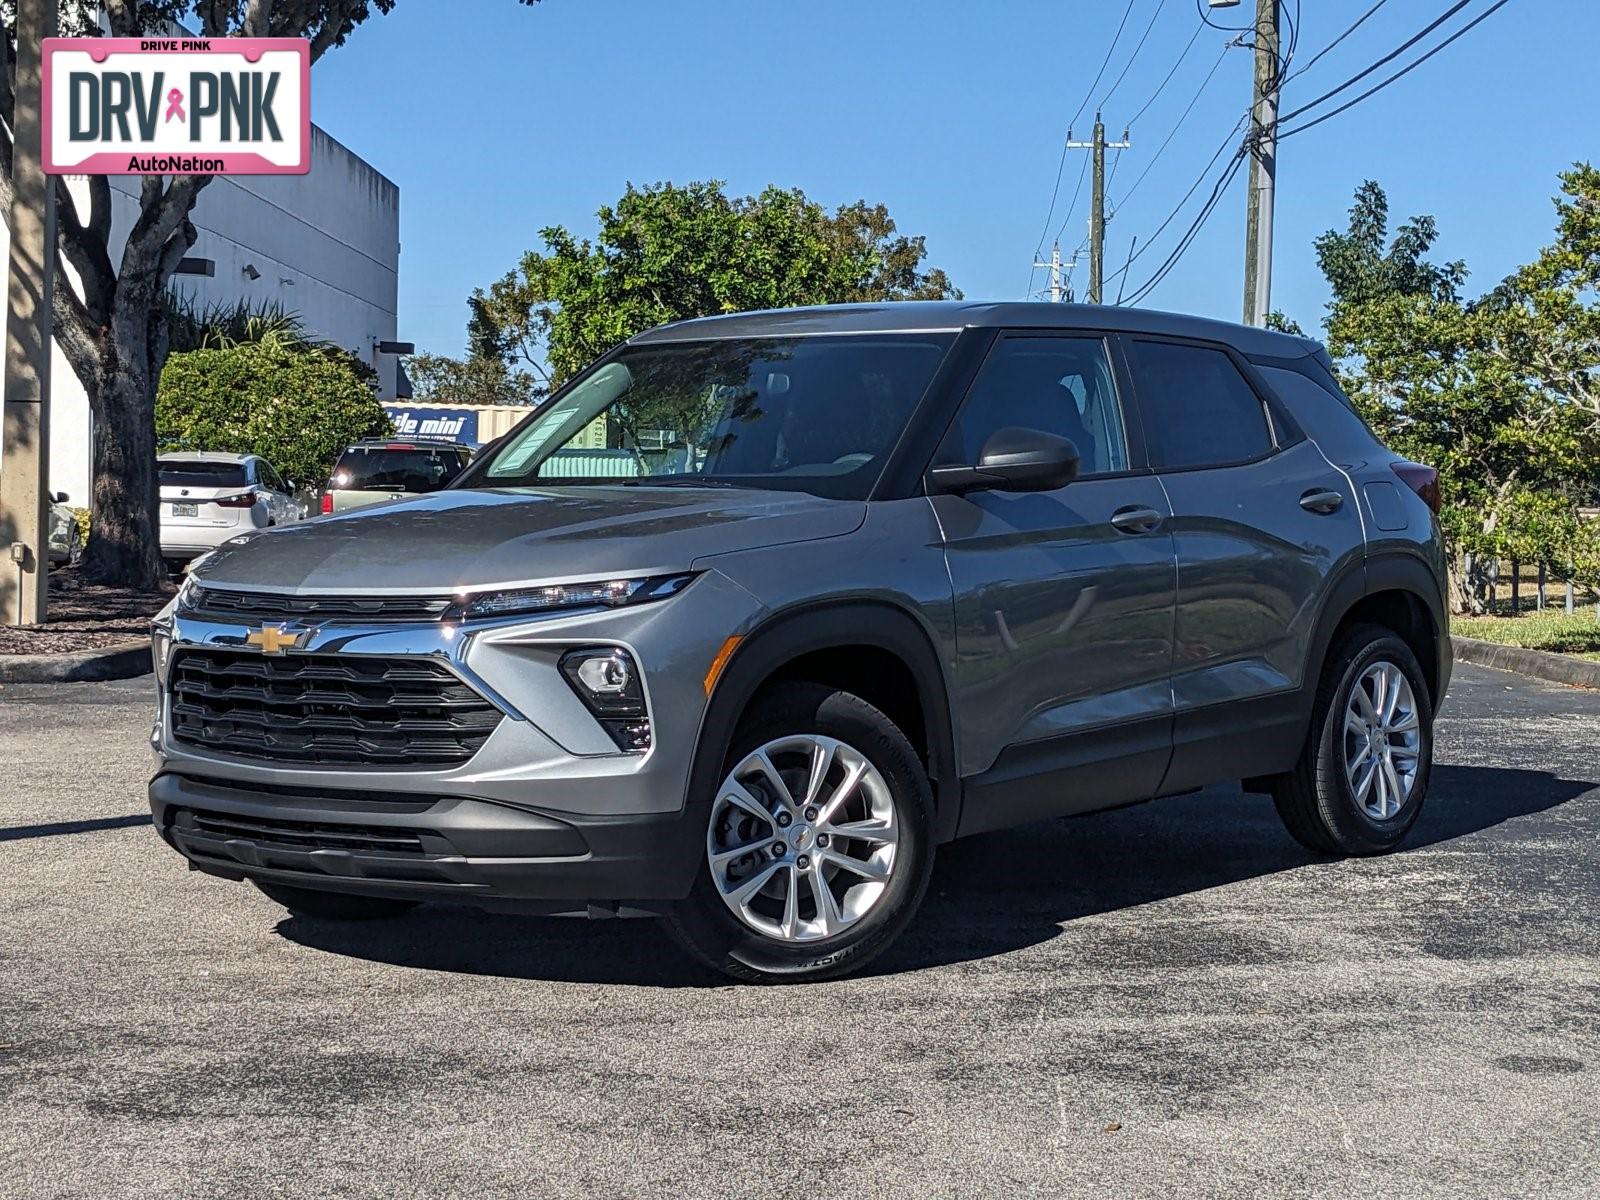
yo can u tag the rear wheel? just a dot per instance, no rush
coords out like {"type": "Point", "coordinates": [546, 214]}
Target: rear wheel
{"type": "Point", "coordinates": [331, 906]}
{"type": "Point", "coordinates": [818, 841]}
{"type": "Point", "coordinates": [1363, 773]}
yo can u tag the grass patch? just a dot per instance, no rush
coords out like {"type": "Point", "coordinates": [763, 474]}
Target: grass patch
{"type": "Point", "coordinates": [1552, 630]}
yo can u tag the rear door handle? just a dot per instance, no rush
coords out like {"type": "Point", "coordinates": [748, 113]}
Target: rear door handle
{"type": "Point", "coordinates": [1136, 519]}
{"type": "Point", "coordinates": [1319, 501]}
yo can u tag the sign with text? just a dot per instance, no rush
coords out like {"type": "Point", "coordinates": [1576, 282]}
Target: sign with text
{"type": "Point", "coordinates": [171, 106]}
{"type": "Point", "coordinates": [410, 420]}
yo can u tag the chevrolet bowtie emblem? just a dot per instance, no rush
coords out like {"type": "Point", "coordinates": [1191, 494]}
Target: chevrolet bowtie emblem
{"type": "Point", "coordinates": [274, 640]}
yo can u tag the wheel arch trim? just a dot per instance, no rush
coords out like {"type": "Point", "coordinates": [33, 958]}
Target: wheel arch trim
{"type": "Point", "coordinates": [789, 634]}
{"type": "Point", "coordinates": [1391, 571]}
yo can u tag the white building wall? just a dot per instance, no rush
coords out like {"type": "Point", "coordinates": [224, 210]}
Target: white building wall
{"type": "Point", "coordinates": [325, 245]}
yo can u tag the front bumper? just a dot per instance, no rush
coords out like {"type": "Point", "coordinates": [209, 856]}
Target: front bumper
{"type": "Point", "coordinates": [547, 811]}
{"type": "Point", "coordinates": [454, 848]}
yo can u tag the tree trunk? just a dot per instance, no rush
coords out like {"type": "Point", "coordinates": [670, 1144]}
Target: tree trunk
{"type": "Point", "coordinates": [1470, 584]}
{"type": "Point", "coordinates": [124, 528]}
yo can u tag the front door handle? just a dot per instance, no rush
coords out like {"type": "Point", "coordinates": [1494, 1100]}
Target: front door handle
{"type": "Point", "coordinates": [1318, 500]}
{"type": "Point", "coordinates": [1136, 519]}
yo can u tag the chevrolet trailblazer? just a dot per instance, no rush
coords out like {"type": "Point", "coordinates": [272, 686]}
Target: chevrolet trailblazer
{"type": "Point", "coordinates": [877, 577]}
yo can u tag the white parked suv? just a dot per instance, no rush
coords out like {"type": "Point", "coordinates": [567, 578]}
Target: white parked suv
{"type": "Point", "coordinates": [208, 497]}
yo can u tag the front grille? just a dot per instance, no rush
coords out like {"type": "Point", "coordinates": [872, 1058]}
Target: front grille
{"type": "Point", "coordinates": [327, 709]}
{"type": "Point", "coordinates": [266, 608]}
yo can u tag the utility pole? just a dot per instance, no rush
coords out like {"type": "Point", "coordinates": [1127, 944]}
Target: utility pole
{"type": "Point", "coordinates": [1097, 203]}
{"type": "Point", "coordinates": [1263, 168]}
{"type": "Point", "coordinates": [1055, 272]}
{"type": "Point", "coordinates": [1060, 285]}
{"type": "Point", "coordinates": [25, 442]}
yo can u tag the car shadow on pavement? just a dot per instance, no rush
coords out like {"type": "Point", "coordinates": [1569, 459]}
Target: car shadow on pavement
{"type": "Point", "coordinates": [990, 895]}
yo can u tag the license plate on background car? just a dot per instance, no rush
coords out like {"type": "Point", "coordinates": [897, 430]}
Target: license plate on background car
{"type": "Point", "coordinates": [185, 510]}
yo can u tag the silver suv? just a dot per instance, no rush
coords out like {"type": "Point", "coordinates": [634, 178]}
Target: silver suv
{"type": "Point", "coordinates": [878, 577]}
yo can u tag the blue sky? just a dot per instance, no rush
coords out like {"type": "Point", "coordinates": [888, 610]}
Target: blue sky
{"type": "Point", "coordinates": [503, 119]}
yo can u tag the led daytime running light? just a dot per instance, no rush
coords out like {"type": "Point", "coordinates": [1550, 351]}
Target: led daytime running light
{"type": "Point", "coordinates": [612, 593]}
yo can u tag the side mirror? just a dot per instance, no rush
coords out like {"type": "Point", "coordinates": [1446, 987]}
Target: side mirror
{"type": "Point", "coordinates": [59, 497]}
{"type": "Point", "coordinates": [1013, 460]}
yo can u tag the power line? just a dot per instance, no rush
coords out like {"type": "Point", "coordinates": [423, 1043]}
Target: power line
{"type": "Point", "coordinates": [1193, 100]}
{"type": "Point", "coordinates": [1127, 66]}
{"type": "Point", "coordinates": [1055, 192]}
{"type": "Point", "coordinates": [1406, 70]}
{"type": "Point", "coordinates": [1284, 55]}
{"type": "Point", "coordinates": [1193, 187]}
{"type": "Point", "coordinates": [1238, 155]}
{"type": "Point", "coordinates": [1132, 246]}
{"type": "Point", "coordinates": [1390, 57]}
{"type": "Point", "coordinates": [1359, 21]}
{"type": "Point", "coordinates": [1106, 62]}
{"type": "Point", "coordinates": [1241, 154]}
{"type": "Point", "coordinates": [1145, 107]}
{"type": "Point", "coordinates": [1200, 8]}
{"type": "Point", "coordinates": [1072, 205]}
{"type": "Point", "coordinates": [1210, 206]}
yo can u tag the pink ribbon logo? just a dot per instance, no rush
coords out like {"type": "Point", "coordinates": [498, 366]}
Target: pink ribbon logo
{"type": "Point", "coordinates": [175, 105]}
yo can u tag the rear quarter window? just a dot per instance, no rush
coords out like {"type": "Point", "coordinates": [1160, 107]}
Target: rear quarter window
{"type": "Point", "coordinates": [1326, 416]}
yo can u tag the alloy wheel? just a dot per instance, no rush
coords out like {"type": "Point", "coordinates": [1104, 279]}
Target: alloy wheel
{"type": "Point", "coordinates": [803, 838]}
{"type": "Point", "coordinates": [1382, 740]}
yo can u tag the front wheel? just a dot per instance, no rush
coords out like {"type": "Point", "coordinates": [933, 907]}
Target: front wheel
{"type": "Point", "coordinates": [332, 906]}
{"type": "Point", "coordinates": [1363, 773]}
{"type": "Point", "coordinates": [818, 841]}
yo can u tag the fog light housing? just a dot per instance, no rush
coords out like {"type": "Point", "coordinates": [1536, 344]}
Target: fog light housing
{"type": "Point", "coordinates": [608, 682]}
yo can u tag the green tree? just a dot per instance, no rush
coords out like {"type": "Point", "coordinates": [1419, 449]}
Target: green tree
{"type": "Point", "coordinates": [109, 324]}
{"type": "Point", "coordinates": [1437, 378]}
{"type": "Point", "coordinates": [477, 379]}
{"type": "Point", "coordinates": [297, 408]}
{"type": "Point", "coordinates": [193, 326]}
{"type": "Point", "coordinates": [668, 252]}
{"type": "Point", "coordinates": [1549, 311]}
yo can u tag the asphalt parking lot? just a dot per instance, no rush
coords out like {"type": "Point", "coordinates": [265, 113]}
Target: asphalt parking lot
{"type": "Point", "coordinates": [1173, 999]}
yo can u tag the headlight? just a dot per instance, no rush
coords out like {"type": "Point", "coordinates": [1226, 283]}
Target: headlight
{"type": "Point", "coordinates": [611, 593]}
{"type": "Point", "coordinates": [188, 592]}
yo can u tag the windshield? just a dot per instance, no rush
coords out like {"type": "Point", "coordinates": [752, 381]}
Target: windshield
{"type": "Point", "coordinates": [397, 469]}
{"type": "Point", "coordinates": [816, 414]}
{"type": "Point", "coordinates": [203, 474]}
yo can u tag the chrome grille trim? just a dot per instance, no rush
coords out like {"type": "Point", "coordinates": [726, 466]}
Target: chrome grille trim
{"type": "Point", "coordinates": [327, 709]}
{"type": "Point", "coordinates": [269, 607]}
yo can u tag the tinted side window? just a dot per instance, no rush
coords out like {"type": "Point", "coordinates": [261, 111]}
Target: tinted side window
{"type": "Point", "coordinates": [1198, 409]}
{"type": "Point", "coordinates": [1060, 385]}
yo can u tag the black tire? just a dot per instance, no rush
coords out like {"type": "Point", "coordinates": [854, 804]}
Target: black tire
{"type": "Point", "coordinates": [710, 932]}
{"type": "Point", "coordinates": [1315, 799]}
{"type": "Point", "coordinates": [334, 906]}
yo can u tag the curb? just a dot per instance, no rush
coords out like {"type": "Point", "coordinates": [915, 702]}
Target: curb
{"type": "Point", "coordinates": [125, 660]}
{"type": "Point", "coordinates": [1541, 664]}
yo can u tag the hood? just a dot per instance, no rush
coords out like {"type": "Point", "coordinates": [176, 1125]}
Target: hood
{"type": "Point", "coordinates": [471, 538]}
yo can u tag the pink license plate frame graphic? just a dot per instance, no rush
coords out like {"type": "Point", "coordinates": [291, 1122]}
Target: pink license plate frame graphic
{"type": "Point", "coordinates": [227, 162]}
